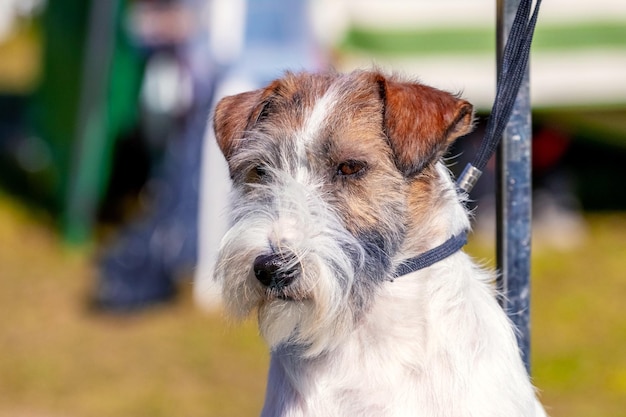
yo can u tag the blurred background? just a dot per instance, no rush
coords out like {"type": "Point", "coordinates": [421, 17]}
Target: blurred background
{"type": "Point", "coordinates": [103, 114]}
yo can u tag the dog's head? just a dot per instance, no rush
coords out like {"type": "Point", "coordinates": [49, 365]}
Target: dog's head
{"type": "Point", "coordinates": [332, 174]}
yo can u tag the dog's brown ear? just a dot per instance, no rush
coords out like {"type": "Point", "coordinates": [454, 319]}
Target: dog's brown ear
{"type": "Point", "coordinates": [232, 118]}
{"type": "Point", "coordinates": [421, 122]}
{"type": "Point", "coordinates": [234, 115]}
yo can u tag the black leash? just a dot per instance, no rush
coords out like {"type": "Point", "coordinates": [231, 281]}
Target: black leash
{"type": "Point", "coordinates": [514, 63]}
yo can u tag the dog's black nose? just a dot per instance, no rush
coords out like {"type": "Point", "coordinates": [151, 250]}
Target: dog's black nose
{"type": "Point", "coordinates": [275, 270]}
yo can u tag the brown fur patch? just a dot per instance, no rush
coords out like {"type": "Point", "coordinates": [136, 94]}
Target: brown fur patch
{"type": "Point", "coordinates": [421, 122]}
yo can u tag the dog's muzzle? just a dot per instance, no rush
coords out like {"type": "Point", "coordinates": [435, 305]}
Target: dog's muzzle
{"type": "Point", "coordinates": [276, 271]}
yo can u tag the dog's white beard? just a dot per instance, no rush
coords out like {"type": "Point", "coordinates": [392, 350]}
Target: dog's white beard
{"type": "Point", "coordinates": [317, 323]}
{"type": "Point", "coordinates": [318, 312]}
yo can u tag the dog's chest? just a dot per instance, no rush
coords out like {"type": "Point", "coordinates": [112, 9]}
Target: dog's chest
{"type": "Point", "coordinates": [373, 381]}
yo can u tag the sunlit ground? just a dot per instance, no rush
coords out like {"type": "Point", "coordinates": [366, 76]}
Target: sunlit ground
{"type": "Point", "coordinates": [59, 359]}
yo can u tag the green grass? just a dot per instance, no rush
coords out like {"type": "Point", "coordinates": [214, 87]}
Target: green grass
{"type": "Point", "coordinates": [481, 40]}
{"type": "Point", "coordinates": [580, 325]}
{"type": "Point", "coordinates": [59, 359]}
{"type": "Point", "coordinates": [578, 321]}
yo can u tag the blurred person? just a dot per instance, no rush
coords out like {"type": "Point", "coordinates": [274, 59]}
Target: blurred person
{"type": "Point", "coordinates": [141, 265]}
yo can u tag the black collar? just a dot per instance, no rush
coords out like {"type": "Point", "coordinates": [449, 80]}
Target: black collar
{"type": "Point", "coordinates": [432, 256]}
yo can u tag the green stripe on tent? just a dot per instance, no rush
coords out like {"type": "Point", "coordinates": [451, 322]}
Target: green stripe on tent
{"type": "Point", "coordinates": [481, 40]}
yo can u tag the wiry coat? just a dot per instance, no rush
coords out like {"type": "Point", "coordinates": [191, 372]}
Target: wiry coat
{"type": "Point", "coordinates": [339, 178]}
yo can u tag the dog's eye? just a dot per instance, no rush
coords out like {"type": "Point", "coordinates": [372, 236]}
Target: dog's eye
{"type": "Point", "coordinates": [351, 168]}
{"type": "Point", "coordinates": [256, 174]}
{"type": "Point", "coordinates": [260, 171]}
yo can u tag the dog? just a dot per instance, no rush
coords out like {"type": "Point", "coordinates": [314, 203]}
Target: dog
{"type": "Point", "coordinates": [337, 180]}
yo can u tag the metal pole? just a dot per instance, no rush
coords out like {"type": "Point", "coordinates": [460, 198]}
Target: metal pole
{"type": "Point", "coordinates": [514, 199]}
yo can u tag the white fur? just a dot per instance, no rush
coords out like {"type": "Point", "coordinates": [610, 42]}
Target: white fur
{"type": "Point", "coordinates": [316, 118]}
{"type": "Point", "coordinates": [314, 121]}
